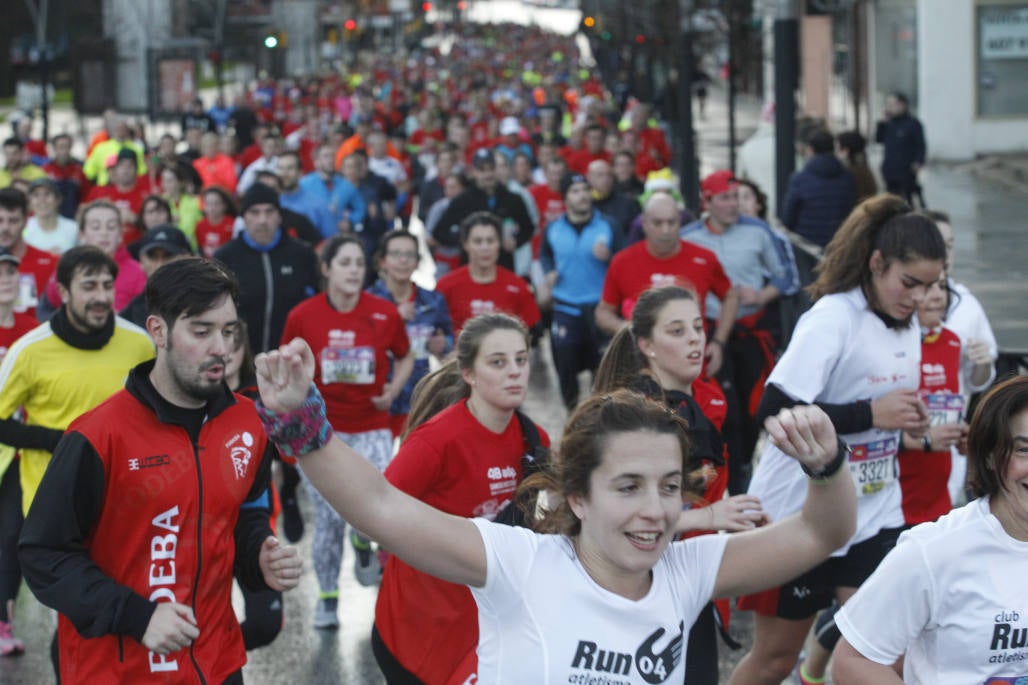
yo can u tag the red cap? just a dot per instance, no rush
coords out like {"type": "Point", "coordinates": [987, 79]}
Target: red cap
{"type": "Point", "coordinates": [718, 182]}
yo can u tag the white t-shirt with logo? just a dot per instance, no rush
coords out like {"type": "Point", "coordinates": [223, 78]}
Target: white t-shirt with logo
{"type": "Point", "coordinates": [543, 620]}
{"type": "Point", "coordinates": [952, 597]}
{"type": "Point", "coordinates": [842, 352]}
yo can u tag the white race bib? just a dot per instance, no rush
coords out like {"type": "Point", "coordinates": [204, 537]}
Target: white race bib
{"type": "Point", "coordinates": [353, 365]}
{"type": "Point", "coordinates": [873, 464]}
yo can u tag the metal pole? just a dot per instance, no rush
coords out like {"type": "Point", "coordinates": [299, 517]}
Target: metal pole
{"type": "Point", "coordinates": [732, 17]}
{"type": "Point", "coordinates": [219, 46]}
{"type": "Point", "coordinates": [786, 82]}
{"type": "Point", "coordinates": [689, 181]}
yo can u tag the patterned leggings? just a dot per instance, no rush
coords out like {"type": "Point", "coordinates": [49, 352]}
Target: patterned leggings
{"type": "Point", "coordinates": [329, 527]}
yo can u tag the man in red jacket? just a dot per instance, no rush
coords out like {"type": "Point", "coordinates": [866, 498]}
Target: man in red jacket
{"type": "Point", "coordinates": [151, 501]}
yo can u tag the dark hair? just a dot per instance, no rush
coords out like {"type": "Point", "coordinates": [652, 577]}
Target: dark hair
{"type": "Point", "coordinates": [153, 200]}
{"type": "Point", "coordinates": [12, 199]}
{"type": "Point", "coordinates": [187, 287]}
{"type": "Point", "coordinates": [989, 440]}
{"type": "Point", "coordinates": [761, 196]}
{"type": "Point", "coordinates": [480, 219]}
{"type": "Point", "coordinates": [396, 233]}
{"type": "Point", "coordinates": [88, 259]}
{"type": "Point", "coordinates": [295, 155]}
{"type": "Point", "coordinates": [230, 205]}
{"type": "Point", "coordinates": [14, 142]}
{"type": "Point", "coordinates": [820, 141]}
{"type": "Point", "coordinates": [625, 153]}
{"type": "Point", "coordinates": [267, 173]}
{"type": "Point", "coordinates": [331, 247]}
{"type": "Point", "coordinates": [175, 168]}
{"type": "Point", "coordinates": [594, 127]}
{"type": "Point", "coordinates": [584, 442]}
{"type": "Point", "coordinates": [445, 386]}
{"type": "Point", "coordinates": [936, 216]}
{"type": "Point", "coordinates": [901, 97]}
{"type": "Point", "coordinates": [853, 142]}
{"type": "Point", "coordinates": [60, 136]}
{"type": "Point", "coordinates": [884, 223]}
{"type": "Point", "coordinates": [623, 362]}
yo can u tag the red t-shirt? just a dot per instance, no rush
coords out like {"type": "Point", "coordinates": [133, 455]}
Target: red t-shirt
{"type": "Point", "coordinates": [634, 270]}
{"type": "Point", "coordinates": [126, 200]}
{"type": "Point", "coordinates": [924, 475]}
{"type": "Point", "coordinates": [455, 464]}
{"type": "Point", "coordinates": [34, 273]}
{"type": "Point", "coordinates": [351, 353]}
{"type": "Point", "coordinates": [209, 237]}
{"type": "Point", "coordinates": [467, 299]}
{"type": "Point", "coordinates": [23, 323]}
{"type": "Point", "coordinates": [550, 204]}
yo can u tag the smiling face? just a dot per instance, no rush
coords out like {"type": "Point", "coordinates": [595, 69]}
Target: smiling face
{"type": "Point", "coordinates": [101, 226]}
{"type": "Point", "coordinates": [88, 299]}
{"type": "Point", "coordinates": [675, 352]}
{"type": "Point", "coordinates": [1011, 500]}
{"type": "Point", "coordinates": [628, 517]}
{"type": "Point", "coordinates": [400, 258]}
{"type": "Point", "coordinates": [900, 287]}
{"type": "Point", "coordinates": [499, 375]}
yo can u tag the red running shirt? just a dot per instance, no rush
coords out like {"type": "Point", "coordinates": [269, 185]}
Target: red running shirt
{"type": "Point", "coordinates": [467, 299]}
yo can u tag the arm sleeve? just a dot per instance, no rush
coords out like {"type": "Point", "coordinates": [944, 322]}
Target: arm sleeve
{"type": "Point", "coordinates": [789, 283]}
{"type": "Point", "coordinates": [253, 528]}
{"type": "Point", "coordinates": [399, 345]}
{"type": "Point", "coordinates": [17, 434]}
{"type": "Point", "coordinates": [451, 217]}
{"type": "Point", "coordinates": [853, 417]}
{"type": "Point", "coordinates": [416, 468]}
{"type": "Point", "coordinates": [52, 552]}
{"type": "Point", "coordinates": [815, 348]}
{"type": "Point", "coordinates": [891, 608]}
{"type": "Point", "coordinates": [356, 204]}
{"type": "Point", "coordinates": [519, 213]}
{"type": "Point", "coordinates": [790, 206]}
{"type": "Point", "coordinates": [920, 147]}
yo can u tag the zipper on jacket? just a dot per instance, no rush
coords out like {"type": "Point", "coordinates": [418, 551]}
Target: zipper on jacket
{"type": "Point", "coordinates": [121, 650]}
{"type": "Point", "coordinates": [269, 299]}
{"type": "Point", "coordinates": [199, 550]}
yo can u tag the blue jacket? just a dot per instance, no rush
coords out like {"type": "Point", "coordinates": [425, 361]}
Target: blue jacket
{"type": "Point", "coordinates": [430, 315]}
{"type": "Point", "coordinates": [819, 198]}
{"type": "Point", "coordinates": [313, 207]}
{"type": "Point", "coordinates": [343, 200]}
{"type": "Point", "coordinates": [902, 140]}
{"type": "Point", "coordinates": [568, 250]}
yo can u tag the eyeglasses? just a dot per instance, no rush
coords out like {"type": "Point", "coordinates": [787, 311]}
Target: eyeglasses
{"type": "Point", "coordinates": [402, 254]}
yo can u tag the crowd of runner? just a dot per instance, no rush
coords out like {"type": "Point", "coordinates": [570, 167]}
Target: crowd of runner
{"type": "Point", "coordinates": [551, 216]}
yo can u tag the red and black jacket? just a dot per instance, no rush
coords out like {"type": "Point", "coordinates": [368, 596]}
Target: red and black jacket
{"type": "Point", "coordinates": [146, 502]}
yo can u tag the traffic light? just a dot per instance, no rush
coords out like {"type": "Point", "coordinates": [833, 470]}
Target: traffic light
{"type": "Point", "coordinates": [589, 22]}
{"type": "Point", "coordinates": [350, 25]}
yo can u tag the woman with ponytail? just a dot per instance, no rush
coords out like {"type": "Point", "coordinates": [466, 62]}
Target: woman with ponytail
{"type": "Point", "coordinates": [661, 355]}
{"type": "Point", "coordinates": [461, 453]}
{"type": "Point", "coordinates": [856, 353]}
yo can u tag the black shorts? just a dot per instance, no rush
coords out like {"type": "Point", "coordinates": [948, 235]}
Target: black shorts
{"type": "Point", "coordinates": [807, 594]}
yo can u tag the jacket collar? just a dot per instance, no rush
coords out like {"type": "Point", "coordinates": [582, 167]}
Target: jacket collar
{"type": "Point", "coordinates": [94, 340]}
{"type": "Point", "coordinates": [140, 387]}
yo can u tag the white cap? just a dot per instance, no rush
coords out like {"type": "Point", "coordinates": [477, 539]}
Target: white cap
{"type": "Point", "coordinates": [510, 126]}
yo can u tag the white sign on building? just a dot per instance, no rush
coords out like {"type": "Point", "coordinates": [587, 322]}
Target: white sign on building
{"type": "Point", "coordinates": [1004, 35]}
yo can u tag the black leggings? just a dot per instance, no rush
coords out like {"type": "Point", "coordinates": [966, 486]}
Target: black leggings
{"type": "Point", "coordinates": [394, 672]}
{"type": "Point", "coordinates": [10, 528]}
{"type": "Point", "coordinates": [701, 661]}
{"type": "Point", "coordinates": [263, 620]}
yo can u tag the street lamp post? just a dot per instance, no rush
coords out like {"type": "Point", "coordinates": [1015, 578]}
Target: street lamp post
{"type": "Point", "coordinates": [39, 18]}
{"type": "Point", "coordinates": [786, 82]}
{"type": "Point", "coordinates": [689, 182]}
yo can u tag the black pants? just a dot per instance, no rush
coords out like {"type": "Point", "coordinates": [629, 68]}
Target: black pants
{"type": "Point", "coordinates": [744, 363]}
{"type": "Point", "coordinates": [393, 670]}
{"type": "Point", "coordinates": [701, 665]}
{"type": "Point", "coordinates": [10, 528]}
{"type": "Point", "coordinates": [575, 343]}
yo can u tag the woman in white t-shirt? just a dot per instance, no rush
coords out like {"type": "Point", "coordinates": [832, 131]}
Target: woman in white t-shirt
{"type": "Point", "coordinates": [609, 594]}
{"type": "Point", "coordinates": [856, 354]}
{"type": "Point", "coordinates": [951, 595]}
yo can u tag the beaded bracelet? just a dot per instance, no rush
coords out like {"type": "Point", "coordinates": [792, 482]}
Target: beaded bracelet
{"type": "Point", "coordinates": [299, 431]}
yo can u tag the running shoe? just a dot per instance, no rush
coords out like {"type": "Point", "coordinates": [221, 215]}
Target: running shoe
{"type": "Point", "coordinates": [326, 614]}
{"type": "Point", "coordinates": [365, 564]}
{"type": "Point", "coordinates": [797, 674]}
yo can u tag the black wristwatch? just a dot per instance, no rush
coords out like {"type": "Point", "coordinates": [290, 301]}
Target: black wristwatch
{"type": "Point", "coordinates": [831, 468]}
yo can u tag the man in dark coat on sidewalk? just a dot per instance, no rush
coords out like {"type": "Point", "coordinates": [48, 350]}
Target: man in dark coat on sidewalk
{"type": "Point", "coordinates": [822, 194]}
{"type": "Point", "coordinates": [902, 139]}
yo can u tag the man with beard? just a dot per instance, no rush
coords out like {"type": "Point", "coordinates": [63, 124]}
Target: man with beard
{"type": "Point", "coordinates": [68, 365]}
{"type": "Point", "coordinates": [154, 498]}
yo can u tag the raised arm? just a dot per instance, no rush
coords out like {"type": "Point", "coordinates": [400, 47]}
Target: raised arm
{"type": "Point", "coordinates": [445, 546]}
{"type": "Point", "coordinates": [769, 556]}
